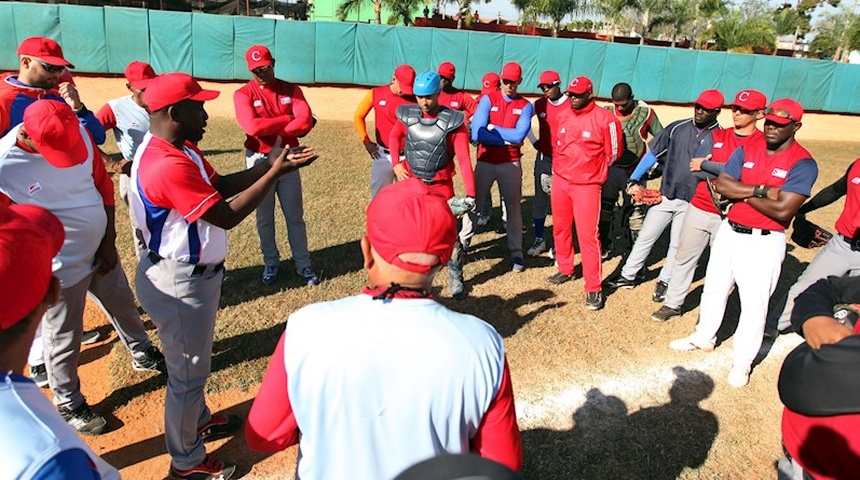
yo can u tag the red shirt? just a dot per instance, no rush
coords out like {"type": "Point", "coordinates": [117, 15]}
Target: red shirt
{"type": "Point", "coordinates": [588, 141]}
{"type": "Point", "coordinates": [459, 100]}
{"type": "Point", "coordinates": [725, 142]}
{"type": "Point", "coordinates": [502, 114]}
{"type": "Point", "coordinates": [385, 104]}
{"type": "Point", "coordinates": [848, 223]}
{"type": "Point", "coordinates": [267, 112]}
{"type": "Point", "coordinates": [547, 115]}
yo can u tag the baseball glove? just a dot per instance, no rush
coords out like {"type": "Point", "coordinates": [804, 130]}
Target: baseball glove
{"type": "Point", "coordinates": [809, 235]}
{"type": "Point", "coordinates": [546, 183]}
{"type": "Point", "coordinates": [722, 203]}
{"type": "Point", "coordinates": [647, 196]}
{"type": "Point", "coordinates": [846, 314]}
{"type": "Point", "coordinates": [461, 205]}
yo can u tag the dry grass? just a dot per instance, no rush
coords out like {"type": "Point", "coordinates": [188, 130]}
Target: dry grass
{"type": "Point", "coordinates": [599, 394]}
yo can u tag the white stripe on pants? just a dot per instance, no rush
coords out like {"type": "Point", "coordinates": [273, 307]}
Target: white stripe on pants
{"type": "Point", "coordinates": [697, 232]}
{"type": "Point", "coordinates": [656, 220]}
{"type": "Point", "coordinates": [510, 178]}
{"type": "Point", "coordinates": [754, 262]}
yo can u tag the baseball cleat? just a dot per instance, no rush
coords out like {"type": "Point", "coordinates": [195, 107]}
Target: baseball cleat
{"type": "Point", "coordinates": [39, 374]}
{"type": "Point", "coordinates": [538, 247]}
{"type": "Point", "coordinates": [558, 278]}
{"type": "Point", "coordinates": [270, 273]}
{"type": "Point", "coordinates": [594, 300]}
{"type": "Point", "coordinates": [150, 360]}
{"type": "Point", "coordinates": [90, 337]}
{"type": "Point", "coordinates": [209, 469]}
{"type": "Point", "coordinates": [620, 282]}
{"type": "Point", "coordinates": [518, 265]}
{"type": "Point", "coordinates": [660, 292]}
{"type": "Point", "coordinates": [84, 420]}
{"type": "Point", "coordinates": [310, 277]}
{"type": "Point", "coordinates": [220, 426]}
{"type": "Point", "coordinates": [665, 313]}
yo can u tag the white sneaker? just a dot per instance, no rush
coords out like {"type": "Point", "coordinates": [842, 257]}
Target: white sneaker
{"type": "Point", "coordinates": [739, 376]}
{"type": "Point", "coordinates": [537, 248]}
{"type": "Point", "coordinates": [687, 344]}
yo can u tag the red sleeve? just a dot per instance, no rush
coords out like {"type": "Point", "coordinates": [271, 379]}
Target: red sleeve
{"type": "Point", "coordinates": [106, 117]}
{"type": "Point", "coordinates": [498, 437]}
{"type": "Point", "coordinates": [4, 200]}
{"type": "Point", "coordinates": [302, 121]}
{"type": "Point", "coordinates": [612, 146]}
{"type": "Point", "coordinates": [271, 425]}
{"type": "Point", "coordinates": [250, 122]}
{"type": "Point", "coordinates": [469, 105]}
{"type": "Point", "coordinates": [395, 141]}
{"type": "Point", "coordinates": [464, 159]}
{"type": "Point", "coordinates": [101, 178]}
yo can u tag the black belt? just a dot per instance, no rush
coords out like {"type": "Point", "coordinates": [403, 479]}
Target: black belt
{"type": "Point", "coordinates": [198, 271]}
{"type": "Point", "coordinates": [853, 243]}
{"type": "Point", "coordinates": [746, 230]}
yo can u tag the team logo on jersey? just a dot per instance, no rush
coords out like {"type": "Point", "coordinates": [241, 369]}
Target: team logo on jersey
{"type": "Point", "coordinates": [286, 100]}
{"type": "Point", "coordinates": [779, 173]}
{"type": "Point", "coordinates": [586, 134]}
{"type": "Point", "coordinates": [855, 180]}
{"type": "Point", "coordinates": [749, 164]}
{"type": "Point", "coordinates": [718, 145]}
{"type": "Point", "coordinates": [563, 130]}
{"type": "Point", "coordinates": [517, 111]}
{"type": "Point", "coordinates": [258, 103]}
{"type": "Point", "coordinates": [34, 188]}
{"type": "Point", "coordinates": [455, 104]}
{"type": "Point", "coordinates": [494, 109]}
{"type": "Point", "coordinates": [383, 103]}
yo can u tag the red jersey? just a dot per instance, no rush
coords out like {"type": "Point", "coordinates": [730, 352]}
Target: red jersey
{"type": "Point", "coordinates": [459, 100]}
{"type": "Point", "coordinates": [848, 223]}
{"type": "Point", "coordinates": [502, 114]}
{"type": "Point", "coordinates": [588, 141]}
{"type": "Point", "coordinates": [267, 112]}
{"type": "Point", "coordinates": [725, 142]}
{"type": "Point", "coordinates": [385, 104]}
{"type": "Point", "coordinates": [547, 115]}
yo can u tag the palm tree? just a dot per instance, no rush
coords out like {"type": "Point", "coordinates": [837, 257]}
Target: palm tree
{"type": "Point", "coordinates": [677, 16]}
{"type": "Point", "coordinates": [522, 6]}
{"type": "Point", "coordinates": [556, 10]}
{"type": "Point", "coordinates": [651, 11]}
{"type": "Point", "coordinates": [348, 6]}
{"type": "Point", "coordinates": [613, 12]}
{"type": "Point", "coordinates": [736, 32]}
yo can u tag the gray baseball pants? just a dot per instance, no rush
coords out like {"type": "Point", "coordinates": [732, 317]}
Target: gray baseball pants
{"type": "Point", "coordinates": [183, 306]}
{"type": "Point", "coordinates": [289, 192]}
{"type": "Point", "coordinates": [540, 204]}
{"type": "Point", "coordinates": [835, 258]}
{"type": "Point", "coordinates": [656, 220]}
{"type": "Point", "coordinates": [510, 178]}
{"type": "Point", "coordinates": [140, 248]}
{"type": "Point", "coordinates": [63, 324]}
{"type": "Point", "coordinates": [697, 233]}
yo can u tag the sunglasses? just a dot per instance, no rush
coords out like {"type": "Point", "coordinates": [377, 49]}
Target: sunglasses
{"type": "Point", "coordinates": [778, 112]}
{"type": "Point", "coordinates": [509, 82]}
{"type": "Point", "coordinates": [50, 68]}
{"type": "Point", "coordinates": [743, 111]}
{"type": "Point", "coordinates": [547, 86]}
{"type": "Point", "coordinates": [261, 70]}
{"type": "Point", "coordinates": [708, 110]}
{"type": "Point", "coordinates": [577, 95]}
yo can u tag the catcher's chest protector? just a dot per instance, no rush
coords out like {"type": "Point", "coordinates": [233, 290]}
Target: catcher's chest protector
{"type": "Point", "coordinates": [633, 129]}
{"type": "Point", "coordinates": [426, 149]}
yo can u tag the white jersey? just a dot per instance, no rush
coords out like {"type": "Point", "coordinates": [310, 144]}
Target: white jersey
{"type": "Point", "coordinates": [69, 193]}
{"type": "Point", "coordinates": [377, 386]}
{"type": "Point", "coordinates": [34, 433]}
{"type": "Point", "coordinates": [132, 123]}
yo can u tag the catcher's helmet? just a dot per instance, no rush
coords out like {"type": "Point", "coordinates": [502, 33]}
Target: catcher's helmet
{"type": "Point", "coordinates": [426, 84]}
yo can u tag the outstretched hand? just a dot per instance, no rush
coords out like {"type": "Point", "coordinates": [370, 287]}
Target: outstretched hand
{"type": "Point", "coordinates": [294, 158]}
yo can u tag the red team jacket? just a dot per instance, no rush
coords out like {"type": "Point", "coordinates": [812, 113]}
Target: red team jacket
{"type": "Point", "coordinates": [503, 114]}
{"type": "Point", "coordinates": [587, 142]}
{"type": "Point", "coordinates": [385, 105]}
{"type": "Point", "coordinates": [267, 112]}
{"type": "Point", "coordinates": [459, 100]}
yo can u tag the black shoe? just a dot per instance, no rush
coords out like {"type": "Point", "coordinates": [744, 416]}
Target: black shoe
{"type": "Point", "coordinates": [151, 359]}
{"type": "Point", "coordinates": [84, 420]}
{"type": "Point", "coordinates": [220, 426]}
{"type": "Point", "coordinates": [621, 282]}
{"type": "Point", "coordinates": [558, 278]}
{"type": "Point", "coordinates": [594, 300]}
{"type": "Point", "coordinates": [660, 292]}
{"type": "Point", "coordinates": [665, 313]}
{"type": "Point", "coordinates": [90, 337]}
{"type": "Point", "coordinates": [39, 374]}
{"type": "Point", "coordinates": [209, 469]}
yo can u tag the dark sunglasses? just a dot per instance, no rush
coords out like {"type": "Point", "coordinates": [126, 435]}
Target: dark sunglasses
{"type": "Point", "coordinates": [547, 86]}
{"type": "Point", "coordinates": [779, 113]}
{"type": "Point", "coordinates": [743, 111]}
{"type": "Point", "coordinates": [51, 68]}
{"type": "Point", "coordinates": [260, 70]}
{"type": "Point", "coordinates": [577, 95]}
{"type": "Point", "coordinates": [509, 82]}
{"type": "Point", "coordinates": [447, 79]}
{"type": "Point", "coordinates": [709, 110]}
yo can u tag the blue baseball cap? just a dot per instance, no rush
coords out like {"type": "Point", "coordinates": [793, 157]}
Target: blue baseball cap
{"type": "Point", "coordinates": [426, 84]}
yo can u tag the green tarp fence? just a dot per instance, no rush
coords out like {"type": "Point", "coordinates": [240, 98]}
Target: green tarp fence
{"type": "Point", "coordinates": [105, 39]}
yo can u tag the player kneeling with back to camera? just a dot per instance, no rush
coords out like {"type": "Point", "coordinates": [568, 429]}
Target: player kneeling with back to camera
{"type": "Point", "coordinates": [402, 377]}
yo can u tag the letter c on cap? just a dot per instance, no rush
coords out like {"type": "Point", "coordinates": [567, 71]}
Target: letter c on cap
{"type": "Point", "coordinates": [256, 56]}
{"type": "Point", "coordinates": [744, 96]}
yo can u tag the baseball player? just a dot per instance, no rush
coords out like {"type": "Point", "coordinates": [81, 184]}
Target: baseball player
{"type": "Point", "coordinates": [179, 200]}
{"type": "Point", "coordinates": [41, 64]}
{"type": "Point", "coordinates": [546, 109]}
{"type": "Point", "coordinates": [383, 100]}
{"type": "Point", "coordinates": [638, 122]}
{"type": "Point", "coordinates": [273, 113]}
{"type": "Point", "coordinates": [128, 118]}
{"type": "Point", "coordinates": [490, 82]}
{"type": "Point", "coordinates": [588, 141]}
{"type": "Point", "coordinates": [703, 218]}
{"type": "Point", "coordinates": [451, 97]}
{"type": "Point", "coordinates": [768, 180]}
{"type": "Point", "coordinates": [500, 125]}
{"type": "Point", "coordinates": [38, 443]}
{"type": "Point", "coordinates": [840, 256]}
{"type": "Point", "coordinates": [675, 146]}
{"type": "Point", "coordinates": [366, 406]}
{"type": "Point", "coordinates": [434, 133]}
{"type": "Point", "coordinates": [819, 387]}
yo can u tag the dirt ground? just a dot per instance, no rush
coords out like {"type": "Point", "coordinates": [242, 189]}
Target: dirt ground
{"type": "Point", "coordinates": [135, 441]}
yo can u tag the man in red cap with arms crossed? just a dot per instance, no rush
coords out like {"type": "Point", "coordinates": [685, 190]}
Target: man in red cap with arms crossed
{"type": "Point", "coordinates": [38, 443]}
{"type": "Point", "coordinates": [451, 97]}
{"type": "Point", "coordinates": [589, 140]}
{"type": "Point", "coordinates": [500, 125]}
{"type": "Point", "coordinates": [768, 180]}
{"type": "Point", "coordinates": [702, 219]}
{"type": "Point", "coordinates": [383, 100]}
{"type": "Point", "coordinates": [180, 202]}
{"type": "Point", "coordinates": [403, 377]}
{"type": "Point", "coordinates": [274, 113]}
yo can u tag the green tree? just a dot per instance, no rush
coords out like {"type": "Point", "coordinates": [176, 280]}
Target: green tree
{"type": "Point", "coordinates": [796, 20]}
{"type": "Point", "coordinates": [402, 10]}
{"type": "Point", "coordinates": [677, 17]}
{"type": "Point", "coordinates": [556, 10]}
{"type": "Point", "coordinates": [736, 32]}
{"type": "Point", "coordinates": [838, 34]}
{"type": "Point", "coordinates": [613, 12]}
{"type": "Point", "coordinates": [650, 13]}
{"type": "Point", "coordinates": [349, 6]}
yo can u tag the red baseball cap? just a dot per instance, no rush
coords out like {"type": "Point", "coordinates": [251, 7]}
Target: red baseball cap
{"type": "Point", "coordinates": [711, 99]}
{"type": "Point", "coordinates": [258, 56]}
{"type": "Point", "coordinates": [783, 111]}
{"type": "Point", "coordinates": [55, 129]}
{"type": "Point", "coordinates": [405, 76]}
{"type": "Point", "coordinates": [548, 77]}
{"type": "Point", "coordinates": [750, 100]}
{"type": "Point", "coordinates": [139, 74]}
{"type": "Point", "coordinates": [490, 83]}
{"type": "Point", "coordinates": [410, 217]}
{"type": "Point", "coordinates": [171, 88]}
{"type": "Point", "coordinates": [30, 237]}
{"type": "Point", "coordinates": [45, 50]}
{"type": "Point", "coordinates": [512, 71]}
{"type": "Point", "coordinates": [580, 85]}
{"type": "Point", "coordinates": [447, 70]}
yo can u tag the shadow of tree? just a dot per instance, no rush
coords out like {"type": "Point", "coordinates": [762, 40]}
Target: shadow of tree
{"type": "Point", "coordinates": [608, 443]}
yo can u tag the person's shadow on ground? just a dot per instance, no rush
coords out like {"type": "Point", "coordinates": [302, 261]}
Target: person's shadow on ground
{"type": "Point", "coordinates": [607, 442]}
